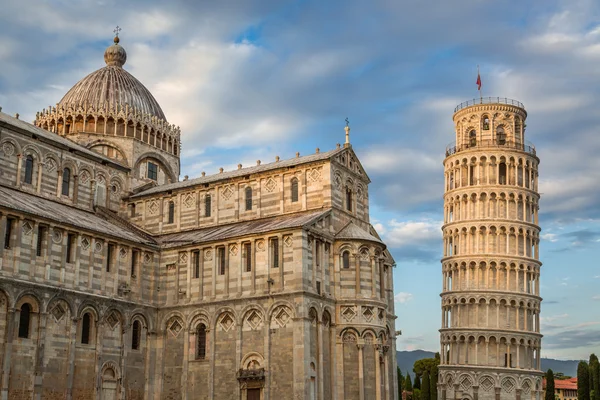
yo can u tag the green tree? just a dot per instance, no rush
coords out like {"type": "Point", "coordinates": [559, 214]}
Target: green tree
{"type": "Point", "coordinates": [433, 379]}
{"type": "Point", "coordinates": [408, 383]}
{"type": "Point", "coordinates": [549, 385]}
{"type": "Point", "coordinates": [583, 381]}
{"type": "Point", "coordinates": [594, 377]}
{"type": "Point", "coordinates": [425, 388]}
{"type": "Point", "coordinates": [426, 364]}
{"type": "Point", "coordinates": [417, 382]}
{"type": "Point", "coordinates": [416, 394]}
{"type": "Point", "coordinates": [400, 382]}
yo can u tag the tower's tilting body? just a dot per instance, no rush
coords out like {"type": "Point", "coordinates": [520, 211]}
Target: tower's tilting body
{"type": "Point", "coordinates": [490, 340]}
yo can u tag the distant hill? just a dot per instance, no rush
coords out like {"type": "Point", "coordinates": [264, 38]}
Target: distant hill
{"type": "Point", "coordinates": [406, 360]}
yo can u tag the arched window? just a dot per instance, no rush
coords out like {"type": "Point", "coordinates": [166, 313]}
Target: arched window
{"type": "Point", "coordinates": [201, 342]}
{"type": "Point", "coordinates": [348, 199]}
{"type": "Point", "coordinates": [294, 190]}
{"type": "Point", "coordinates": [136, 332]}
{"type": "Point", "coordinates": [485, 122]}
{"type": "Point", "coordinates": [472, 138]}
{"type": "Point", "coordinates": [207, 205]}
{"type": "Point", "coordinates": [86, 325]}
{"type": "Point", "coordinates": [24, 319]}
{"type": "Point", "coordinates": [248, 198]}
{"type": "Point", "coordinates": [346, 259]}
{"type": "Point", "coordinates": [28, 169]}
{"type": "Point", "coordinates": [66, 181]}
{"type": "Point", "coordinates": [171, 212]}
{"type": "Point", "coordinates": [501, 136]}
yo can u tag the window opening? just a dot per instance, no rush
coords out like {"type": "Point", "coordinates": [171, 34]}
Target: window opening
{"type": "Point", "coordinates": [24, 318]}
{"type": "Point", "coordinates": [66, 181]}
{"type": "Point", "coordinates": [472, 138]}
{"type": "Point", "coordinates": [40, 240]}
{"type": "Point", "coordinates": [248, 256]}
{"type": "Point", "coordinates": [207, 205]}
{"type": "Point", "coordinates": [171, 212]}
{"type": "Point", "coordinates": [348, 199]}
{"type": "Point", "coordinates": [135, 335]}
{"type": "Point", "coordinates": [86, 322]}
{"type": "Point", "coordinates": [221, 258]}
{"type": "Point", "coordinates": [201, 342]}
{"type": "Point", "coordinates": [196, 256]}
{"type": "Point", "coordinates": [346, 259]}
{"type": "Point", "coordinates": [135, 254]}
{"type": "Point", "coordinates": [275, 253]}
{"type": "Point", "coordinates": [8, 233]}
{"type": "Point", "coordinates": [152, 171]}
{"type": "Point", "coordinates": [294, 190]}
{"type": "Point", "coordinates": [70, 242]}
{"type": "Point", "coordinates": [486, 122]}
{"type": "Point", "coordinates": [501, 136]}
{"type": "Point", "coordinates": [502, 173]}
{"type": "Point", "coordinates": [29, 169]}
{"type": "Point", "coordinates": [109, 257]}
{"type": "Point", "coordinates": [248, 198]}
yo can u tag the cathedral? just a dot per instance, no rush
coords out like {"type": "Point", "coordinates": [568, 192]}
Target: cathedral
{"type": "Point", "coordinates": [120, 281]}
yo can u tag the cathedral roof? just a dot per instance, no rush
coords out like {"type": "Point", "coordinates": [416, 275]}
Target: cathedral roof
{"type": "Point", "coordinates": [253, 227]}
{"type": "Point", "coordinates": [241, 172]}
{"type": "Point", "coordinates": [64, 214]}
{"type": "Point", "coordinates": [56, 140]}
{"type": "Point", "coordinates": [112, 86]}
{"type": "Point", "coordinates": [353, 232]}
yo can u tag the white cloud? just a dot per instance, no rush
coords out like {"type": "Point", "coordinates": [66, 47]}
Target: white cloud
{"type": "Point", "coordinates": [403, 297]}
{"type": "Point", "coordinates": [596, 297]}
{"type": "Point", "coordinates": [413, 233]}
{"type": "Point", "coordinates": [551, 237]}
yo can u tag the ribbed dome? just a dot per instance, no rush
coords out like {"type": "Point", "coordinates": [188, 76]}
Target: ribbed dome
{"type": "Point", "coordinates": [114, 86]}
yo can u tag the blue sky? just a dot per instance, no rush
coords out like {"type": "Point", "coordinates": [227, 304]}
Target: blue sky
{"type": "Point", "coordinates": [251, 80]}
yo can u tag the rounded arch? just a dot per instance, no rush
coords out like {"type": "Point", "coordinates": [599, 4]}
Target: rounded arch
{"type": "Point", "coordinates": [58, 298]}
{"type": "Point", "coordinates": [110, 365]}
{"type": "Point", "coordinates": [88, 307]}
{"type": "Point", "coordinates": [251, 360]}
{"type": "Point", "coordinates": [14, 143]}
{"type": "Point", "coordinates": [141, 317]}
{"type": "Point", "coordinates": [223, 310]}
{"type": "Point", "coordinates": [33, 151]}
{"type": "Point", "coordinates": [159, 157]}
{"type": "Point", "coordinates": [98, 146]}
{"type": "Point", "coordinates": [279, 303]}
{"type": "Point", "coordinates": [30, 298]}
{"type": "Point", "coordinates": [71, 165]}
{"type": "Point", "coordinates": [197, 317]}
{"type": "Point", "coordinates": [170, 315]}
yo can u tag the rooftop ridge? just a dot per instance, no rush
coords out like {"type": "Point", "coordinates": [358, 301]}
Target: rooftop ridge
{"type": "Point", "coordinates": [241, 172]}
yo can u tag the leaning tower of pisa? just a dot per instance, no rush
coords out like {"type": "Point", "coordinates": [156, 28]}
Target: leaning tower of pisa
{"type": "Point", "coordinates": [490, 337]}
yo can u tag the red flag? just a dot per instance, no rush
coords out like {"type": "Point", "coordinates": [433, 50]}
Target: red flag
{"type": "Point", "coordinates": [478, 81]}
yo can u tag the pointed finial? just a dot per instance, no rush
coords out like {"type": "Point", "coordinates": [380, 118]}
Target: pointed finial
{"type": "Point", "coordinates": [347, 129]}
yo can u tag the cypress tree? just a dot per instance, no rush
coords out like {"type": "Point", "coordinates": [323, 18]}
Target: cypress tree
{"type": "Point", "coordinates": [594, 378]}
{"type": "Point", "coordinates": [400, 382]}
{"type": "Point", "coordinates": [433, 378]}
{"type": "Point", "coordinates": [549, 385]}
{"type": "Point", "coordinates": [425, 391]}
{"type": "Point", "coordinates": [417, 383]}
{"type": "Point", "coordinates": [583, 381]}
{"type": "Point", "coordinates": [407, 383]}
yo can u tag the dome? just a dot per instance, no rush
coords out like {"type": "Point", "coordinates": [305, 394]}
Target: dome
{"type": "Point", "coordinates": [112, 86]}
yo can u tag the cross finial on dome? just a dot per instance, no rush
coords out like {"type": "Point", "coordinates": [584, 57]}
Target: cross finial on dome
{"type": "Point", "coordinates": [116, 31]}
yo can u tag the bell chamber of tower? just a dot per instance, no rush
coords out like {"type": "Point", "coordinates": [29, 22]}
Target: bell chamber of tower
{"type": "Point", "coordinates": [490, 336]}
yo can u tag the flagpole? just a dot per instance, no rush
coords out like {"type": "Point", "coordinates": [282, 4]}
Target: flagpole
{"type": "Point", "coordinates": [479, 87]}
